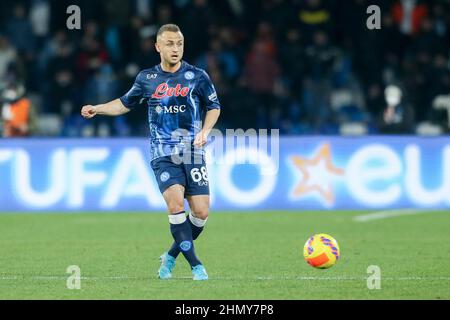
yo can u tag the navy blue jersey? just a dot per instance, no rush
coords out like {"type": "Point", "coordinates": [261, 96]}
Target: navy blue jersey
{"type": "Point", "coordinates": [176, 105]}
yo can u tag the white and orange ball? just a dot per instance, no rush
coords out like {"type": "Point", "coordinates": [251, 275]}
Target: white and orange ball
{"type": "Point", "coordinates": [321, 251]}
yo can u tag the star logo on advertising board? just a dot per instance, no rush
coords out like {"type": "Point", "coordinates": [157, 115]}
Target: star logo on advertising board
{"type": "Point", "coordinates": [317, 174]}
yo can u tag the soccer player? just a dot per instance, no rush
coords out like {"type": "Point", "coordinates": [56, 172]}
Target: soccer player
{"type": "Point", "coordinates": [178, 96]}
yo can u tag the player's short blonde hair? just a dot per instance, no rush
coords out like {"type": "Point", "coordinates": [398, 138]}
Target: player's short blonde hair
{"type": "Point", "coordinates": [168, 27]}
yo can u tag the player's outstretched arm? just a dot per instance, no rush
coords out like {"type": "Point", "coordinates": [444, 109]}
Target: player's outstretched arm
{"type": "Point", "coordinates": [210, 120]}
{"type": "Point", "coordinates": [112, 108]}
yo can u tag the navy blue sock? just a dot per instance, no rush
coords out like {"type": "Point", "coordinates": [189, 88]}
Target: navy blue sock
{"type": "Point", "coordinates": [182, 234]}
{"type": "Point", "coordinates": [174, 250]}
{"type": "Point", "coordinates": [195, 230]}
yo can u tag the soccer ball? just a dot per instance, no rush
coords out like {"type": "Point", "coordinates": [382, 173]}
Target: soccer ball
{"type": "Point", "coordinates": [321, 251]}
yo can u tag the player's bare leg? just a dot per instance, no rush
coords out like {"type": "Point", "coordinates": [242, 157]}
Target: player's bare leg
{"type": "Point", "coordinates": [181, 232]}
{"type": "Point", "coordinates": [174, 197]}
{"type": "Point", "coordinates": [199, 205]}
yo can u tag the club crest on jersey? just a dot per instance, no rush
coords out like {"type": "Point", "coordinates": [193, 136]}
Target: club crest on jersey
{"type": "Point", "coordinates": [163, 90]}
{"type": "Point", "coordinates": [164, 176]}
{"type": "Point", "coordinates": [189, 75]}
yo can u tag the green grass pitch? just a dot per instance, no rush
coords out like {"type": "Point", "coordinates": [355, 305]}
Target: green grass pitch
{"type": "Point", "coordinates": [247, 255]}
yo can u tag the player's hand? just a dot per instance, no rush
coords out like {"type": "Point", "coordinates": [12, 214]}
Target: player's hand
{"type": "Point", "coordinates": [88, 111]}
{"type": "Point", "coordinates": [200, 139]}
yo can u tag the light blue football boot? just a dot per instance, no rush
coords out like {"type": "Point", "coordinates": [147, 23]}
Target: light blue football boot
{"type": "Point", "coordinates": [167, 265]}
{"type": "Point", "coordinates": [199, 273]}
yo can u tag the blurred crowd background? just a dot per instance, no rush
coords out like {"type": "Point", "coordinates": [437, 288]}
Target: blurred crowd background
{"type": "Point", "coordinates": [303, 66]}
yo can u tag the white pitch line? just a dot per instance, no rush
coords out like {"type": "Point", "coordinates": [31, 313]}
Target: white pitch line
{"type": "Point", "coordinates": [263, 278]}
{"type": "Point", "coordinates": [8, 278]}
{"type": "Point", "coordinates": [378, 215]}
{"type": "Point", "coordinates": [82, 278]}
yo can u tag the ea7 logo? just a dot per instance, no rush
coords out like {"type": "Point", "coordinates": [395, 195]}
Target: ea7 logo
{"type": "Point", "coordinates": [212, 96]}
{"type": "Point", "coordinates": [152, 76]}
